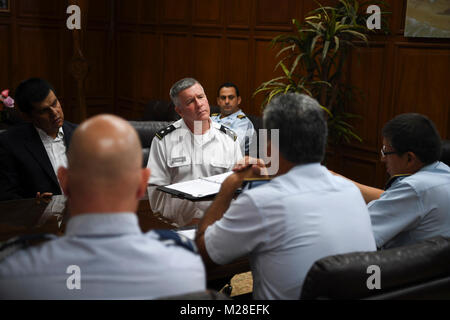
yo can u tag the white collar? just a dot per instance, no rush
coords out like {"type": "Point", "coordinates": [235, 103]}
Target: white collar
{"type": "Point", "coordinates": [45, 137]}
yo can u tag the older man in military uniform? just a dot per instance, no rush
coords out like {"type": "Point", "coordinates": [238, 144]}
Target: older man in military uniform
{"type": "Point", "coordinates": [103, 254]}
{"type": "Point", "coordinates": [194, 146]}
{"type": "Point", "coordinates": [231, 116]}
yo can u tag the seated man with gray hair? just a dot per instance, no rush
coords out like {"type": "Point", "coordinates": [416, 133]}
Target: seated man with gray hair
{"type": "Point", "coordinates": [303, 214]}
{"type": "Point", "coordinates": [194, 146]}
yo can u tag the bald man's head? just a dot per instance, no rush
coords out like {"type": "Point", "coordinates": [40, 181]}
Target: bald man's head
{"type": "Point", "coordinates": [104, 147]}
{"type": "Point", "coordinates": [104, 159]}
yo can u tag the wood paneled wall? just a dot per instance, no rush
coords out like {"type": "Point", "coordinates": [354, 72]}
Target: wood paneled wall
{"type": "Point", "coordinates": [136, 49]}
{"type": "Point", "coordinates": [35, 42]}
{"type": "Point", "coordinates": [397, 75]}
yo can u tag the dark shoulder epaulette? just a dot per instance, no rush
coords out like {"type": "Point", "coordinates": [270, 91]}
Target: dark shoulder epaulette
{"type": "Point", "coordinates": [215, 114]}
{"type": "Point", "coordinates": [169, 238]}
{"type": "Point", "coordinates": [228, 132]}
{"type": "Point", "coordinates": [241, 116]}
{"type": "Point", "coordinates": [395, 178]}
{"type": "Point", "coordinates": [22, 242]}
{"type": "Point", "coordinates": [162, 133]}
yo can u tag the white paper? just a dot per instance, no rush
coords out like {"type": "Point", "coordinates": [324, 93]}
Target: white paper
{"type": "Point", "coordinates": [190, 233]}
{"type": "Point", "coordinates": [201, 187]}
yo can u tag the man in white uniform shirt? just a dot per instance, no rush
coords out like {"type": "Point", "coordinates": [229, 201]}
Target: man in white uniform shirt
{"type": "Point", "coordinates": [30, 154]}
{"type": "Point", "coordinates": [193, 146]}
{"type": "Point", "coordinates": [304, 214]}
{"type": "Point", "coordinates": [103, 254]}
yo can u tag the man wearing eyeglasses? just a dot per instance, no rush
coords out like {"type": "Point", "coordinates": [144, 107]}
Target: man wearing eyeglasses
{"type": "Point", "coordinates": [415, 204]}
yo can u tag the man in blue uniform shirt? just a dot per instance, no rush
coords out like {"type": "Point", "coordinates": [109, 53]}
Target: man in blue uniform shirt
{"type": "Point", "coordinates": [303, 214]}
{"type": "Point", "coordinates": [231, 115]}
{"type": "Point", "coordinates": [103, 254]}
{"type": "Point", "coordinates": [415, 204]}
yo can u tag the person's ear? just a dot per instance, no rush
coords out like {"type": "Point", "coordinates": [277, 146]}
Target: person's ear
{"type": "Point", "coordinates": [413, 162]}
{"type": "Point", "coordinates": [239, 100]}
{"type": "Point", "coordinates": [411, 157]}
{"type": "Point", "coordinates": [178, 110]}
{"type": "Point", "coordinates": [63, 180]}
{"type": "Point", "coordinates": [145, 175]}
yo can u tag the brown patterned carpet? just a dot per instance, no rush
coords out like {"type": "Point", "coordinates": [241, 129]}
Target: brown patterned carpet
{"type": "Point", "coordinates": [242, 283]}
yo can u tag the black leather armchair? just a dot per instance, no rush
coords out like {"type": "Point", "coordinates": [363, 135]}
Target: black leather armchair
{"type": "Point", "coordinates": [146, 131]}
{"type": "Point", "coordinates": [419, 271]}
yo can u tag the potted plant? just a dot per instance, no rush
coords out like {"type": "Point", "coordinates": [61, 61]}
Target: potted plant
{"type": "Point", "coordinates": [313, 60]}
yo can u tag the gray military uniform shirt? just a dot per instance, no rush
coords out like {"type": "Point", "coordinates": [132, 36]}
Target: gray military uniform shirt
{"type": "Point", "coordinates": [414, 208]}
{"type": "Point", "coordinates": [112, 259]}
{"type": "Point", "coordinates": [239, 123]}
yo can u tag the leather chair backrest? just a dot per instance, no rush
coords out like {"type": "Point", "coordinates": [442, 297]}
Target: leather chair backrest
{"type": "Point", "coordinates": [146, 131]}
{"type": "Point", "coordinates": [345, 276]}
{"type": "Point", "coordinates": [160, 110]}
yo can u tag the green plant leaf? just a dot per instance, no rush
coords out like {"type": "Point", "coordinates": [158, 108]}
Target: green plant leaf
{"type": "Point", "coordinates": [326, 46]}
{"type": "Point", "coordinates": [336, 42]}
{"type": "Point", "coordinates": [292, 48]}
{"type": "Point", "coordinates": [327, 111]}
{"type": "Point", "coordinates": [356, 34]}
{"type": "Point", "coordinates": [313, 43]}
{"type": "Point", "coordinates": [285, 70]}
{"type": "Point", "coordinates": [312, 59]}
{"type": "Point", "coordinates": [294, 65]}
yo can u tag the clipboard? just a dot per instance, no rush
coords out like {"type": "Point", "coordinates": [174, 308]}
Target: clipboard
{"type": "Point", "coordinates": [204, 188]}
{"type": "Point", "coordinates": [197, 189]}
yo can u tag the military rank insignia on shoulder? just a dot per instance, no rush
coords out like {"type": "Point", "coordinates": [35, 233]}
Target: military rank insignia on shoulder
{"type": "Point", "coordinates": [228, 132]}
{"type": "Point", "coordinates": [162, 133]}
{"type": "Point", "coordinates": [169, 238]}
{"type": "Point", "coordinates": [13, 245]}
{"type": "Point", "coordinates": [241, 116]}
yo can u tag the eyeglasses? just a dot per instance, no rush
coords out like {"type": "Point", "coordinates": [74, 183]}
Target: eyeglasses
{"type": "Point", "coordinates": [385, 153]}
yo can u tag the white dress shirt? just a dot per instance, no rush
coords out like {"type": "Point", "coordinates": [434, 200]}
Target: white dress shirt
{"type": "Point", "coordinates": [181, 156]}
{"type": "Point", "coordinates": [56, 149]}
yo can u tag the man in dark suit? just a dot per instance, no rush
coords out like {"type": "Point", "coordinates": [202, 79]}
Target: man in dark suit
{"type": "Point", "coordinates": [30, 154]}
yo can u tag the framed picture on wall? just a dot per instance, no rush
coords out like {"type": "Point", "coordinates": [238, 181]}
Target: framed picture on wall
{"type": "Point", "coordinates": [4, 6]}
{"type": "Point", "coordinates": [428, 19]}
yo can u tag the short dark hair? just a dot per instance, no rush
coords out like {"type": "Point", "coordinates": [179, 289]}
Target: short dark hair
{"type": "Point", "coordinates": [33, 90]}
{"type": "Point", "coordinates": [302, 127]}
{"type": "Point", "coordinates": [445, 154]}
{"type": "Point", "coordinates": [413, 132]}
{"type": "Point", "coordinates": [228, 85]}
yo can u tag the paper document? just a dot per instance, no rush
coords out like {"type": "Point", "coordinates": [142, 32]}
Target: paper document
{"type": "Point", "coordinates": [190, 233]}
{"type": "Point", "coordinates": [198, 188]}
